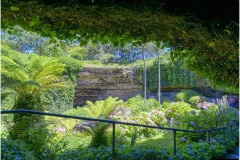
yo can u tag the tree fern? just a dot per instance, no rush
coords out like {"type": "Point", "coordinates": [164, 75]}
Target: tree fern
{"type": "Point", "coordinates": [101, 109]}
{"type": "Point", "coordinates": [19, 126]}
{"type": "Point", "coordinates": [43, 72]}
{"type": "Point", "coordinates": [105, 107]}
{"type": "Point", "coordinates": [30, 82]}
{"type": "Point", "coordinates": [12, 74]}
{"type": "Point", "coordinates": [17, 57]}
{"type": "Point", "coordinates": [98, 131]}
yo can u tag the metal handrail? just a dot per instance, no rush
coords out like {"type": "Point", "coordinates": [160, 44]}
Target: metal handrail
{"type": "Point", "coordinates": [113, 122]}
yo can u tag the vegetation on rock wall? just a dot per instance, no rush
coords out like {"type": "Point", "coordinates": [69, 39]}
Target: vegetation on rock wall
{"type": "Point", "coordinates": [173, 74]}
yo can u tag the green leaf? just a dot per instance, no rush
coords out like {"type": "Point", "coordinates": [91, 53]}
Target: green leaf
{"type": "Point", "coordinates": [72, 32]}
{"type": "Point", "coordinates": [35, 19]}
{"type": "Point", "coordinates": [45, 30]}
{"type": "Point", "coordinates": [122, 18]}
{"type": "Point", "coordinates": [158, 44]}
{"type": "Point", "coordinates": [31, 24]}
{"type": "Point", "coordinates": [53, 33]}
{"type": "Point", "coordinates": [14, 8]}
{"type": "Point", "coordinates": [211, 44]}
{"type": "Point", "coordinates": [83, 42]}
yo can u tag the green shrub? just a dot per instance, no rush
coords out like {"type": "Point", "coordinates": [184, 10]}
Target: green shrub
{"type": "Point", "coordinates": [195, 99]}
{"type": "Point", "coordinates": [16, 149]}
{"type": "Point", "coordinates": [101, 153]}
{"type": "Point", "coordinates": [79, 111]}
{"type": "Point", "coordinates": [202, 119]}
{"type": "Point", "coordinates": [229, 145]}
{"type": "Point", "coordinates": [73, 66]}
{"type": "Point", "coordinates": [38, 138]}
{"type": "Point", "coordinates": [145, 153]}
{"type": "Point", "coordinates": [73, 140]}
{"type": "Point", "coordinates": [176, 110]}
{"type": "Point", "coordinates": [201, 151]}
{"type": "Point", "coordinates": [196, 120]}
{"type": "Point", "coordinates": [122, 153]}
{"type": "Point", "coordinates": [166, 104]}
{"type": "Point", "coordinates": [95, 62]}
{"type": "Point", "coordinates": [217, 151]}
{"type": "Point", "coordinates": [185, 95]}
{"type": "Point", "coordinates": [78, 53]}
{"type": "Point", "coordinates": [139, 104]}
{"type": "Point", "coordinates": [198, 151]}
{"type": "Point", "coordinates": [58, 101]}
{"type": "Point", "coordinates": [207, 118]}
{"type": "Point", "coordinates": [153, 118]}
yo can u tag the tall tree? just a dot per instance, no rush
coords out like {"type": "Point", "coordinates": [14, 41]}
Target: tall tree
{"type": "Point", "coordinates": [159, 77]}
{"type": "Point", "coordinates": [145, 73]}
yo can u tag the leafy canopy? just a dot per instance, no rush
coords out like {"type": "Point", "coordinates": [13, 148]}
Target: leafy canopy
{"type": "Point", "coordinates": [208, 52]}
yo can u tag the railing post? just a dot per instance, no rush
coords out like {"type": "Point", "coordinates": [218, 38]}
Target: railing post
{"type": "Point", "coordinates": [174, 142]}
{"type": "Point", "coordinates": [113, 141]}
{"type": "Point", "coordinates": [208, 137]}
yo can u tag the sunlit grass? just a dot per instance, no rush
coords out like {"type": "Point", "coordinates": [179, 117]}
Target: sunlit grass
{"type": "Point", "coordinates": [164, 139]}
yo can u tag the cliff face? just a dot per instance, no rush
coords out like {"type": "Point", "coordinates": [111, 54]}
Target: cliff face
{"type": "Point", "coordinates": [99, 83]}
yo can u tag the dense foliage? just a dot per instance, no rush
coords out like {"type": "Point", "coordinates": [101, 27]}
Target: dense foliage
{"type": "Point", "coordinates": [35, 82]}
{"type": "Point", "coordinates": [40, 83]}
{"type": "Point", "coordinates": [185, 95]}
{"type": "Point", "coordinates": [59, 138]}
{"type": "Point", "coordinates": [173, 74]}
{"type": "Point", "coordinates": [202, 49]}
{"type": "Point", "coordinates": [43, 76]}
{"type": "Point", "coordinates": [15, 150]}
{"type": "Point", "coordinates": [205, 60]}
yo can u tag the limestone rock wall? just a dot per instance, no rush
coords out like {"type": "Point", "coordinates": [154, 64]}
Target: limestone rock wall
{"type": "Point", "coordinates": [99, 83]}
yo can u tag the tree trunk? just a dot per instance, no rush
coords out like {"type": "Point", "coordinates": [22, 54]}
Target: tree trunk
{"type": "Point", "coordinates": [145, 74]}
{"type": "Point", "coordinates": [159, 78]}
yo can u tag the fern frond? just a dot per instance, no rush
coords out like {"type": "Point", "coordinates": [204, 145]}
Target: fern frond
{"type": "Point", "coordinates": [105, 108]}
{"type": "Point", "coordinates": [20, 126]}
{"type": "Point", "coordinates": [11, 73]}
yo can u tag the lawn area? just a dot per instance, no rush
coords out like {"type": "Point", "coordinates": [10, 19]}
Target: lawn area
{"type": "Point", "coordinates": [160, 140]}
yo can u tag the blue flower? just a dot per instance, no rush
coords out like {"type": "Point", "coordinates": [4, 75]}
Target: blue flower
{"type": "Point", "coordinates": [213, 140]}
{"type": "Point", "coordinates": [193, 112]}
{"type": "Point", "coordinates": [192, 123]}
{"type": "Point", "coordinates": [183, 139]}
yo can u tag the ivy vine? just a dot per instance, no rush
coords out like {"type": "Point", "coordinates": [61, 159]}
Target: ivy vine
{"type": "Point", "coordinates": [209, 53]}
